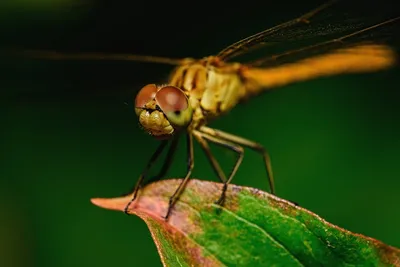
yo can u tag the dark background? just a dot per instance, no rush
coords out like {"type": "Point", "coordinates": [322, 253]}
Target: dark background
{"type": "Point", "coordinates": [69, 132]}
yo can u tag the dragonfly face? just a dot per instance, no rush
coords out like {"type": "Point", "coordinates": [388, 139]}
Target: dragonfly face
{"type": "Point", "coordinates": [162, 110]}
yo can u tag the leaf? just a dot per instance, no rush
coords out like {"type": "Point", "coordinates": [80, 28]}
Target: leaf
{"type": "Point", "coordinates": [253, 228]}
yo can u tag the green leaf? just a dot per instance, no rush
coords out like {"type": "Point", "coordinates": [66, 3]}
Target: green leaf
{"type": "Point", "coordinates": [253, 228]}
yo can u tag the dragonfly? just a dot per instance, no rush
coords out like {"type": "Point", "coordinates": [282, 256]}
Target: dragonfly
{"type": "Point", "coordinates": [201, 90]}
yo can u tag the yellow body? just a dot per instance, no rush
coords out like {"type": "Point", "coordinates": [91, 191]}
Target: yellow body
{"type": "Point", "coordinates": [214, 87]}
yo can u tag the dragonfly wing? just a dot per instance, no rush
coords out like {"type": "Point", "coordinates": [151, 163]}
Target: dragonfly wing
{"type": "Point", "coordinates": [382, 33]}
{"type": "Point", "coordinates": [55, 55]}
{"type": "Point", "coordinates": [331, 20]}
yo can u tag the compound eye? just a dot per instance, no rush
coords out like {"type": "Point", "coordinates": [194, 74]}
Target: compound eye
{"type": "Point", "coordinates": [145, 95]}
{"type": "Point", "coordinates": [171, 99]}
{"type": "Point", "coordinates": [175, 105]}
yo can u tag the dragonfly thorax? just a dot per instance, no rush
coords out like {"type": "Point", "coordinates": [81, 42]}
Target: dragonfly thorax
{"type": "Point", "coordinates": [213, 87]}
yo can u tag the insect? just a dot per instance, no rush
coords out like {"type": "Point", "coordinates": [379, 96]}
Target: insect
{"type": "Point", "coordinates": [200, 90]}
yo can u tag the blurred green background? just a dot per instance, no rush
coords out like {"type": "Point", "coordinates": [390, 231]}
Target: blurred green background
{"type": "Point", "coordinates": [70, 133]}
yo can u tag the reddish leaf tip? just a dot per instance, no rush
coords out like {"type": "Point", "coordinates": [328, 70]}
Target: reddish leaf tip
{"type": "Point", "coordinates": [110, 203]}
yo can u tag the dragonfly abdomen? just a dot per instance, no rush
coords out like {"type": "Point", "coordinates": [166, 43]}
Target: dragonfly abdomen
{"type": "Point", "coordinates": [361, 58]}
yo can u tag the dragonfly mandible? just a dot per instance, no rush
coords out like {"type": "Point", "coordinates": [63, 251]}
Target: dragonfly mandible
{"type": "Point", "coordinates": [200, 90]}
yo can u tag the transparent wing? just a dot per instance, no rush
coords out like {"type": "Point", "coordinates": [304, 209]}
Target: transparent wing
{"type": "Point", "coordinates": [329, 21]}
{"type": "Point", "coordinates": [54, 55]}
{"type": "Point", "coordinates": [256, 39]}
{"type": "Point", "coordinates": [376, 34]}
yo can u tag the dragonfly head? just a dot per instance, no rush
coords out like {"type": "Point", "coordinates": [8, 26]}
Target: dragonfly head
{"type": "Point", "coordinates": [162, 110]}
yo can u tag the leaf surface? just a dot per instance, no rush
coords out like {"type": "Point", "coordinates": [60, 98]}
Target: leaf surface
{"type": "Point", "coordinates": [253, 228]}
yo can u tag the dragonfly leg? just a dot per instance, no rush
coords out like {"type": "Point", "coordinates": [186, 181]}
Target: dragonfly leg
{"type": "Point", "coordinates": [153, 158]}
{"type": "Point", "coordinates": [167, 163]}
{"type": "Point", "coordinates": [230, 145]}
{"type": "Point", "coordinates": [181, 187]}
{"type": "Point", "coordinates": [247, 143]}
{"type": "Point", "coordinates": [214, 163]}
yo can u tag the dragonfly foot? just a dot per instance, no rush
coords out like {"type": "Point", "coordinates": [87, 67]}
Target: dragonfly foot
{"type": "Point", "coordinates": [126, 209]}
{"type": "Point", "coordinates": [221, 200]}
{"type": "Point", "coordinates": [165, 217]}
{"type": "Point", "coordinates": [168, 213]}
{"type": "Point", "coordinates": [170, 206]}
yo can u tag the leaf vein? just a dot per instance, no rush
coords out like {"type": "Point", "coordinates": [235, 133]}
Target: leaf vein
{"type": "Point", "coordinates": [262, 230]}
{"type": "Point", "coordinates": [319, 238]}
